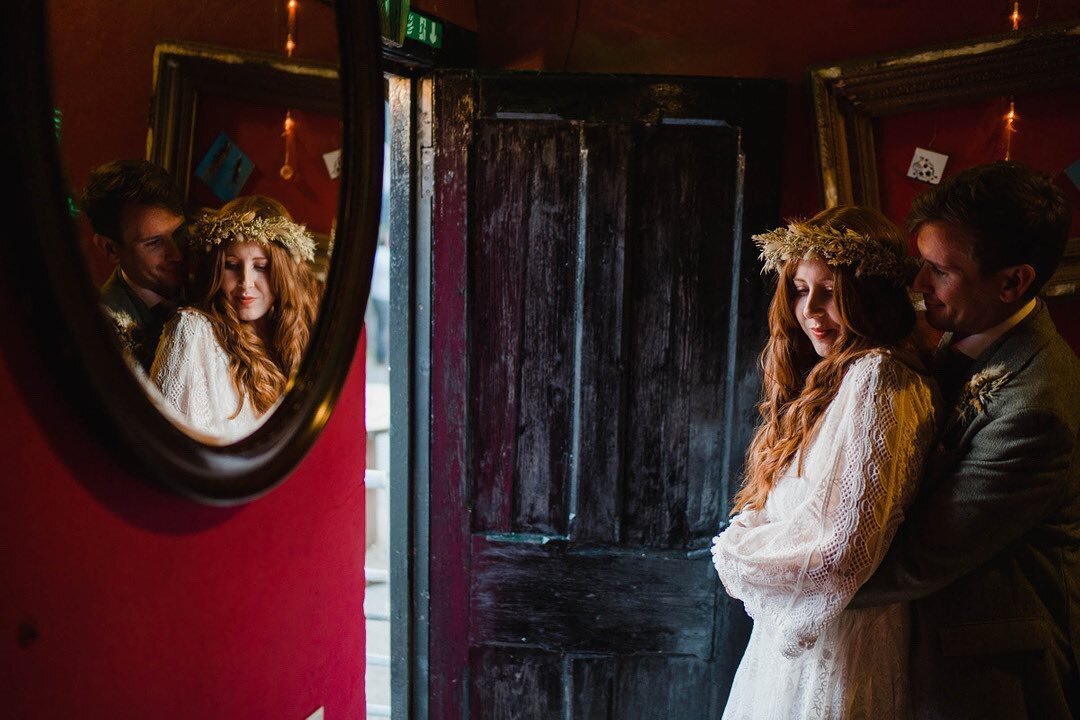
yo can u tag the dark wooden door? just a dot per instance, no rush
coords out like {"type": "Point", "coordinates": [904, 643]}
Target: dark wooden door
{"type": "Point", "coordinates": [597, 313]}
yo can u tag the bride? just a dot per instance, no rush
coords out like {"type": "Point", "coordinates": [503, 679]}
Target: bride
{"type": "Point", "coordinates": [847, 419]}
{"type": "Point", "coordinates": [224, 362]}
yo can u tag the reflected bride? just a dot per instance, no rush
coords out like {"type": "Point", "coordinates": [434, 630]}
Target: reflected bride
{"type": "Point", "coordinates": [224, 361]}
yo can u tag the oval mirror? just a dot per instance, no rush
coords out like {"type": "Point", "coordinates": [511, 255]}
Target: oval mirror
{"type": "Point", "coordinates": [198, 281]}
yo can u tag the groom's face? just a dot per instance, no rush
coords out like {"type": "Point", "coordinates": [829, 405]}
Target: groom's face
{"type": "Point", "coordinates": [148, 253]}
{"type": "Point", "coordinates": [959, 297]}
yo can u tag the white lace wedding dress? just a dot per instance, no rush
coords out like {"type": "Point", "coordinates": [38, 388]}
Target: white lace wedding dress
{"type": "Point", "coordinates": [191, 369]}
{"type": "Point", "coordinates": [797, 562]}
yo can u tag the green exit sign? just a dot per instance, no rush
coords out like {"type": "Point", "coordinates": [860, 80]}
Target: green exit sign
{"type": "Point", "coordinates": [424, 29]}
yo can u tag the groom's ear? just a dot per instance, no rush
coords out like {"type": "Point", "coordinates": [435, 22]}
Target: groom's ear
{"type": "Point", "coordinates": [107, 247]}
{"type": "Point", "coordinates": [1015, 281]}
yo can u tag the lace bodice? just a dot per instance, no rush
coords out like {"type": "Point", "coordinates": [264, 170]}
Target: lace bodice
{"type": "Point", "coordinates": [191, 369]}
{"type": "Point", "coordinates": [797, 562]}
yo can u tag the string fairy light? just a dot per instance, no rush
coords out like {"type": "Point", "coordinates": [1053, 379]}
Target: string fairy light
{"type": "Point", "coordinates": [290, 40]}
{"type": "Point", "coordinates": [1010, 127]}
{"type": "Point", "coordinates": [1012, 116]}
{"type": "Point", "coordinates": [289, 127]}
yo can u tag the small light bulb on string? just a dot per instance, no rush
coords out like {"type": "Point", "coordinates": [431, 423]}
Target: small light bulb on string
{"type": "Point", "coordinates": [1010, 119]}
{"type": "Point", "coordinates": [1015, 17]}
{"type": "Point", "coordinates": [286, 170]}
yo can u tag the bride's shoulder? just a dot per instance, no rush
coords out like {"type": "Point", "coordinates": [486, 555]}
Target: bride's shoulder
{"type": "Point", "coordinates": [897, 367]}
{"type": "Point", "coordinates": [188, 327]}
{"type": "Point", "coordinates": [190, 319]}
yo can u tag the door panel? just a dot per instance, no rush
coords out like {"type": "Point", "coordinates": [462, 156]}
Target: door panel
{"type": "Point", "coordinates": [602, 274]}
{"type": "Point", "coordinates": [564, 598]}
{"type": "Point", "coordinates": [606, 380]}
{"type": "Point", "coordinates": [522, 293]}
{"type": "Point", "coordinates": [682, 199]}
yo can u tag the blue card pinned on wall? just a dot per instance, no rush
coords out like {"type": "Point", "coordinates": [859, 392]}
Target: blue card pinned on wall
{"type": "Point", "coordinates": [225, 168]}
{"type": "Point", "coordinates": [1073, 171]}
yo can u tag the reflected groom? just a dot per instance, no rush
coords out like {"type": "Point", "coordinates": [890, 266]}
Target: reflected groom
{"type": "Point", "coordinates": [137, 216]}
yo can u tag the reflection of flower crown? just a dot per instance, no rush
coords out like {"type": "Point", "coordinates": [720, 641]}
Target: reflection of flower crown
{"type": "Point", "coordinates": [210, 231]}
{"type": "Point", "coordinates": [869, 256]}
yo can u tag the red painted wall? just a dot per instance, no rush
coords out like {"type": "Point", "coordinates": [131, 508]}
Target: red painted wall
{"type": "Point", "coordinates": [118, 599]}
{"type": "Point", "coordinates": [122, 601]}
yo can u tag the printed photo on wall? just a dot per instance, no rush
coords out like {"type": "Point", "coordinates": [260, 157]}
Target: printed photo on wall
{"type": "Point", "coordinates": [333, 163]}
{"type": "Point", "coordinates": [927, 166]}
{"type": "Point", "coordinates": [225, 168]}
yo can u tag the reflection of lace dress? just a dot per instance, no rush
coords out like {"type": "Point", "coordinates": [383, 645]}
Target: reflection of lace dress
{"type": "Point", "coordinates": [192, 370]}
{"type": "Point", "coordinates": [797, 562]}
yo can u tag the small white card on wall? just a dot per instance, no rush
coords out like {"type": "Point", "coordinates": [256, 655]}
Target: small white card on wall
{"type": "Point", "coordinates": [927, 166]}
{"type": "Point", "coordinates": [333, 163]}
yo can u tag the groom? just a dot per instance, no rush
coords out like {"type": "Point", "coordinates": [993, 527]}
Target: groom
{"type": "Point", "coordinates": [990, 549]}
{"type": "Point", "coordinates": [137, 216]}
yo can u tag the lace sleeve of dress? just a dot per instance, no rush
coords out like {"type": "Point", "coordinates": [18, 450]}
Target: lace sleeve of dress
{"type": "Point", "coordinates": [181, 368]}
{"type": "Point", "coordinates": [800, 573]}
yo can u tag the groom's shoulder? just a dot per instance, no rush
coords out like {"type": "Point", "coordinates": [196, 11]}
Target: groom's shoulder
{"type": "Point", "coordinates": [1049, 382]}
{"type": "Point", "coordinates": [1053, 370]}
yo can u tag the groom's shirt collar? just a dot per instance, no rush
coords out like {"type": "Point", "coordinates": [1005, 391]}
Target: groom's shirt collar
{"type": "Point", "coordinates": [974, 345]}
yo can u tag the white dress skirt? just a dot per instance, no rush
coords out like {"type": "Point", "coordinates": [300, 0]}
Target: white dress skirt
{"type": "Point", "coordinates": [824, 528]}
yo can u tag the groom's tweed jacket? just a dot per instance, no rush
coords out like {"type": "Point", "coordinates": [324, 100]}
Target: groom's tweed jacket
{"type": "Point", "coordinates": [990, 549]}
{"type": "Point", "coordinates": [118, 297]}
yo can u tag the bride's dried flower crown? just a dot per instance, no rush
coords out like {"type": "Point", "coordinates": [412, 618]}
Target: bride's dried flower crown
{"type": "Point", "coordinates": [870, 257]}
{"type": "Point", "coordinates": [210, 231]}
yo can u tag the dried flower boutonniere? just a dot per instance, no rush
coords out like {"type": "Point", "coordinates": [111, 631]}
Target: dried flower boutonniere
{"type": "Point", "coordinates": [126, 330]}
{"type": "Point", "coordinates": [979, 392]}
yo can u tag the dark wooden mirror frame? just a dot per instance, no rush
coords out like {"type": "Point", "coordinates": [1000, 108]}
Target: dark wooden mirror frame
{"type": "Point", "coordinates": [57, 305]}
{"type": "Point", "coordinates": [848, 96]}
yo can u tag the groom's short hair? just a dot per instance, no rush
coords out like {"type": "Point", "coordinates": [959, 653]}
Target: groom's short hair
{"type": "Point", "coordinates": [119, 183]}
{"type": "Point", "coordinates": [1012, 214]}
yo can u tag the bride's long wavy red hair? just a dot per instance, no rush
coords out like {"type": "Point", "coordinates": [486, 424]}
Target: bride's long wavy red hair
{"type": "Point", "coordinates": [798, 384]}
